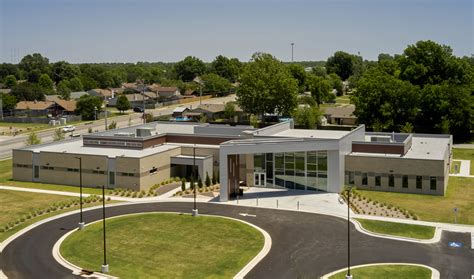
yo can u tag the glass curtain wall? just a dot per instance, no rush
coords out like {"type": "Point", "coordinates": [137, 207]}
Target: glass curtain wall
{"type": "Point", "coordinates": [293, 170]}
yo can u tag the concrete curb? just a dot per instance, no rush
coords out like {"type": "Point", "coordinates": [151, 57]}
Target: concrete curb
{"type": "Point", "coordinates": [434, 272]}
{"type": "Point", "coordinates": [76, 270]}
{"type": "Point", "coordinates": [436, 237]}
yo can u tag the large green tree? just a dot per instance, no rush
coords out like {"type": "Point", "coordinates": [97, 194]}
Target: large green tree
{"type": "Point", "coordinates": [227, 68]}
{"type": "Point", "coordinates": [34, 65]}
{"type": "Point", "coordinates": [10, 81]}
{"type": "Point", "coordinates": [307, 116]}
{"type": "Point", "coordinates": [343, 64]}
{"type": "Point", "coordinates": [123, 103]}
{"type": "Point", "coordinates": [384, 100]}
{"type": "Point", "coordinates": [63, 90]}
{"type": "Point", "coordinates": [8, 102]}
{"type": "Point", "coordinates": [189, 68]}
{"type": "Point", "coordinates": [62, 70]}
{"type": "Point", "coordinates": [215, 84]}
{"type": "Point", "coordinates": [27, 91]}
{"type": "Point", "coordinates": [266, 86]}
{"type": "Point", "coordinates": [298, 72]}
{"type": "Point", "coordinates": [88, 106]}
{"type": "Point", "coordinates": [320, 89]}
{"type": "Point", "coordinates": [46, 82]}
{"type": "Point", "coordinates": [75, 84]}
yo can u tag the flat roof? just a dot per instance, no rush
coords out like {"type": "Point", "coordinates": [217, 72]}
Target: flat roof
{"type": "Point", "coordinates": [425, 147]}
{"type": "Point", "coordinates": [315, 134]}
{"type": "Point", "coordinates": [76, 147]}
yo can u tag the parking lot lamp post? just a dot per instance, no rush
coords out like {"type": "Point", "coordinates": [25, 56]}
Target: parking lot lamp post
{"type": "Point", "coordinates": [105, 266]}
{"type": "Point", "coordinates": [81, 222]}
{"type": "Point", "coordinates": [348, 275]}
{"type": "Point", "coordinates": [195, 210]}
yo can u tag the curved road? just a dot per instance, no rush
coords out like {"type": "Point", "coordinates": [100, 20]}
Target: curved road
{"type": "Point", "coordinates": [303, 244]}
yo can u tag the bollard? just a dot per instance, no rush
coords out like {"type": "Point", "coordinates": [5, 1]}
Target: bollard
{"type": "Point", "coordinates": [237, 199]}
{"type": "Point", "coordinates": [277, 203]}
{"type": "Point", "coordinates": [257, 201]}
{"type": "Point", "coordinates": [298, 205]}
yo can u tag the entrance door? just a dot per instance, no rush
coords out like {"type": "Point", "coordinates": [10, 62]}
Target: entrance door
{"type": "Point", "coordinates": [259, 179]}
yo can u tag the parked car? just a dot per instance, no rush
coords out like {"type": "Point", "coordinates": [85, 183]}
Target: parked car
{"type": "Point", "coordinates": [69, 128]}
{"type": "Point", "coordinates": [138, 109]}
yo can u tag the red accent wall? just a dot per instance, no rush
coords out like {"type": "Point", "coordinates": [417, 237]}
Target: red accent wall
{"type": "Point", "coordinates": [378, 148]}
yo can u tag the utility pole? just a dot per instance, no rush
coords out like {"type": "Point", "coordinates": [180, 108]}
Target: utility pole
{"type": "Point", "coordinates": [106, 126]}
{"type": "Point", "coordinates": [195, 210]}
{"type": "Point", "coordinates": [292, 46]}
{"type": "Point", "coordinates": [105, 266]}
{"type": "Point", "coordinates": [348, 275]}
{"type": "Point", "coordinates": [81, 220]}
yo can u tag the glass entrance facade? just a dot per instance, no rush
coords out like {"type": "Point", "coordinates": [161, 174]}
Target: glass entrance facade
{"type": "Point", "coordinates": [293, 170]}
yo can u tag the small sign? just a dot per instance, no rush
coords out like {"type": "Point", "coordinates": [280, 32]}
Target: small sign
{"type": "Point", "coordinates": [455, 244]}
{"type": "Point", "coordinates": [455, 209]}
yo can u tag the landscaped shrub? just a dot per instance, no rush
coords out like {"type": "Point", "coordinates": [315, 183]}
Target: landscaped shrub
{"type": "Point", "coordinates": [214, 182]}
{"type": "Point", "coordinates": [208, 180]}
{"type": "Point", "coordinates": [200, 183]}
{"type": "Point", "coordinates": [183, 184]}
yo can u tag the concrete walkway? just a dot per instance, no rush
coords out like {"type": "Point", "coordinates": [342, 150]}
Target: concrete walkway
{"type": "Point", "coordinates": [464, 145]}
{"type": "Point", "coordinates": [296, 200]}
{"type": "Point", "coordinates": [464, 170]}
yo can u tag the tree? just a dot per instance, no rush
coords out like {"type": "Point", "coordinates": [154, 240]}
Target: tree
{"type": "Point", "coordinates": [229, 110]}
{"type": "Point", "coordinates": [427, 62]}
{"type": "Point", "coordinates": [189, 68]}
{"type": "Point", "coordinates": [34, 65]}
{"type": "Point", "coordinates": [226, 68]}
{"type": "Point", "coordinates": [32, 139]}
{"type": "Point", "coordinates": [88, 107]}
{"type": "Point", "coordinates": [340, 63]}
{"type": "Point", "coordinates": [64, 90]}
{"type": "Point", "coordinates": [215, 84]}
{"type": "Point", "coordinates": [27, 91]}
{"type": "Point", "coordinates": [320, 71]}
{"type": "Point", "coordinates": [298, 72]}
{"type": "Point", "coordinates": [207, 182]}
{"type": "Point", "coordinates": [307, 100]}
{"type": "Point", "coordinates": [320, 89]}
{"type": "Point", "coordinates": [407, 128]}
{"type": "Point", "coordinates": [200, 182]}
{"type": "Point", "coordinates": [183, 184]}
{"type": "Point", "coordinates": [62, 70]}
{"type": "Point", "coordinates": [336, 83]}
{"type": "Point", "coordinates": [266, 86]}
{"type": "Point", "coordinates": [75, 84]}
{"type": "Point", "coordinates": [307, 116]}
{"type": "Point", "coordinates": [58, 135]}
{"type": "Point", "coordinates": [8, 102]}
{"type": "Point", "coordinates": [10, 81]}
{"type": "Point", "coordinates": [384, 100]}
{"type": "Point", "coordinates": [46, 83]}
{"type": "Point", "coordinates": [112, 125]}
{"type": "Point", "coordinates": [123, 103]}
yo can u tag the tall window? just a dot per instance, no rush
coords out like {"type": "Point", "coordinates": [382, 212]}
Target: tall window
{"type": "Point", "coordinates": [433, 182]}
{"type": "Point", "coordinates": [391, 181]}
{"type": "Point", "coordinates": [378, 180]}
{"type": "Point", "coordinates": [364, 179]}
{"type": "Point", "coordinates": [419, 182]}
{"type": "Point", "coordinates": [36, 172]}
{"type": "Point", "coordinates": [111, 177]}
{"type": "Point", "coordinates": [351, 178]}
{"type": "Point", "coordinates": [405, 181]}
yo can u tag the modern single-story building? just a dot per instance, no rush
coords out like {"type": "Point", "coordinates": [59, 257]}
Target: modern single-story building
{"type": "Point", "coordinates": [277, 156]}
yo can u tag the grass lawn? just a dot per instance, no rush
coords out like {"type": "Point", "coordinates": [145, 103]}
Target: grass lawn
{"type": "Point", "coordinates": [398, 229]}
{"type": "Point", "coordinates": [343, 99]}
{"type": "Point", "coordinates": [464, 154]}
{"type": "Point", "coordinates": [16, 204]}
{"type": "Point", "coordinates": [21, 127]}
{"type": "Point", "coordinates": [460, 194]}
{"type": "Point", "coordinates": [160, 245]}
{"type": "Point", "coordinates": [387, 271]}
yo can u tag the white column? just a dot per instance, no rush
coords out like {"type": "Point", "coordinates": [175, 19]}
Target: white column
{"type": "Point", "coordinates": [224, 192]}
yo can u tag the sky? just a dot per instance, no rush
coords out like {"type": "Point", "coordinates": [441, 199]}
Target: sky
{"type": "Point", "coordinates": [81, 31]}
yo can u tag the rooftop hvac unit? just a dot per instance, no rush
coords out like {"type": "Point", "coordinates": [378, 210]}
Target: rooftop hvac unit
{"type": "Point", "coordinates": [124, 134]}
{"type": "Point", "coordinates": [144, 132]}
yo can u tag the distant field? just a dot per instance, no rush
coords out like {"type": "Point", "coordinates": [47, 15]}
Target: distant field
{"type": "Point", "coordinates": [8, 128]}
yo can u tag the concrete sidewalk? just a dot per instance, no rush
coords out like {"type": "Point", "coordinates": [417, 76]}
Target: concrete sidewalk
{"type": "Point", "coordinates": [464, 170]}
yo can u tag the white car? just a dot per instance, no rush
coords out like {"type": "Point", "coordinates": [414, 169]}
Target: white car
{"type": "Point", "coordinates": [68, 128]}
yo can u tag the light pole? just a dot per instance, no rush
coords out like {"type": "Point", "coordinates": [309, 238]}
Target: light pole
{"type": "Point", "coordinates": [292, 45]}
{"type": "Point", "coordinates": [81, 222]}
{"type": "Point", "coordinates": [105, 266]}
{"type": "Point", "coordinates": [199, 81]}
{"type": "Point", "coordinates": [348, 275]}
{"type": "Point", "coordinates": [195, 210]}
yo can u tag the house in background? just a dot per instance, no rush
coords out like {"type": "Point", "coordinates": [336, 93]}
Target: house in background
{"type": "Point", "coordinates": [213, 111]}
{"type": "Point", "coordinates": [104, 94]}
{"type": "Point", "coordinates": [341, 115]}
{"type": "Point", "coordinates": [77, 95]}
{"type": "Point", "coordinates": [168, 92]}
{"type": "Point", "coordinates": [136, 100]}
{"type": "Point", "coordinates": [56, 107]}
{"type": "Point", "coordinates": [180, 111]}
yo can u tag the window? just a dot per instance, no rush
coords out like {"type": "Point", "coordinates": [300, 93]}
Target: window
{"type": "Point", "coordinates": [419, 182]}
{"type": "Point", "coordinates": [405, 181]}
{"type": "Point", "coordinates": [378, 180]}
{"type": "Point", "coordinates": [47, 168]}
{"type": "Point", "coordinates": [72, 170]}
{"type": "Point", "coordinates": [111, 177]}
{"type": "Point", "coordinates": [391, 181]}
{"type": "Point", "coordinates": [98, 172]}
{"type": "Point", "coordinates": [364, 179]}
{"type": "Point", "coordinates": [127, 174]}
{"type": "Point", "coordinates": [153, 170]}
{"type": "Point", "coordinates": [351, 178]}
{"type": "Point", "coordinates": [36, 172]}
{"type": "Point", "coordinates": [433, 182]}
